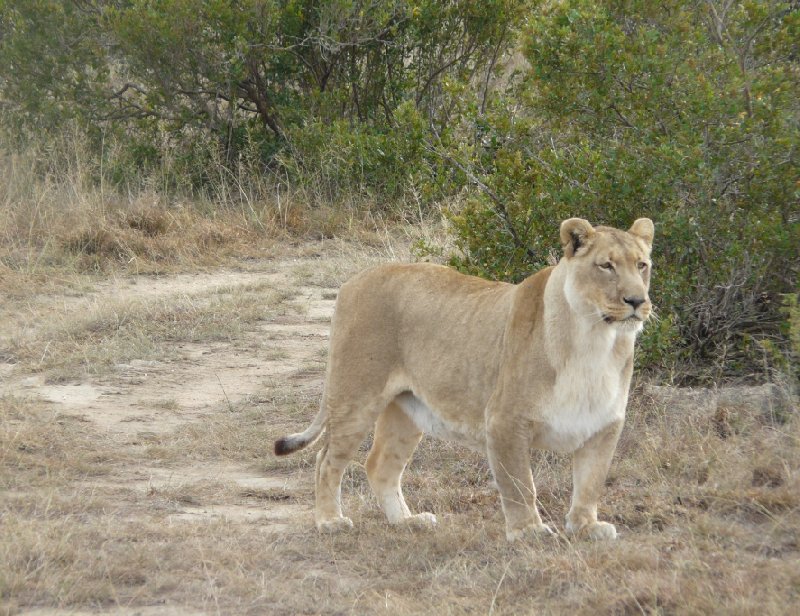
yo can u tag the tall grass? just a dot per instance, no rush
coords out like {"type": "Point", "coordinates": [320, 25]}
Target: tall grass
{"type": "Point", "coordinates": [66, 206]}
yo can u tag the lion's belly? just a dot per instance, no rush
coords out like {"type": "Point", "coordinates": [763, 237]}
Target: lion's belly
{"type": "Point", "coordinates": [580, 405]}
{"type": "Point", "coordinates": [432, 423]}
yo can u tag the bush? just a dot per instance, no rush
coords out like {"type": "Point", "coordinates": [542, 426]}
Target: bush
{"type": "Point", "coordinates": [339, 160]}
{"type": "Point", "coordinates": [669, 110]}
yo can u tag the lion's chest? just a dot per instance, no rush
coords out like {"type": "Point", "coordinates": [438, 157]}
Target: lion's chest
{"type": "Point", "coordinates": [588, 395]}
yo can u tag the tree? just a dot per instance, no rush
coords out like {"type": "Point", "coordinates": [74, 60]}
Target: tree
{"type": "Point", "coordinates": [54, 63]}
{"type": "Point", "coordinates": [217, 64]}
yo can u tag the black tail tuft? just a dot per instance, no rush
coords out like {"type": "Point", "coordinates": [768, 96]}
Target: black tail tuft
{"type": "Point", "coordinates": [283, 447]}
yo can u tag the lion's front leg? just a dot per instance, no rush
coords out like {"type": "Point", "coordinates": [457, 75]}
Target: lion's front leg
{"type": "Point", "coordinates": [508, 449]}
{"type": "Point", "coordinates": [590, 465]}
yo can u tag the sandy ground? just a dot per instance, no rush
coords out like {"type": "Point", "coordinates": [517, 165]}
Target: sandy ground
{"type": "Point", "coordinates": [206, 378]}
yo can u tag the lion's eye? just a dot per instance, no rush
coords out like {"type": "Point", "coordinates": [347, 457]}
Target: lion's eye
{"type": "Point", "coordinates": [642, 266]}
{"type": "Point", "coordinates": [608, 266]}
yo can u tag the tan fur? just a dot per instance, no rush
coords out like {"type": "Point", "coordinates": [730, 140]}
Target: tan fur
{"type": "Point", "coordinates": [500, 368]}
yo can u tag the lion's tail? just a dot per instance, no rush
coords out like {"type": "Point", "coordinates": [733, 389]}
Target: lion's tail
{"type": "Point", "coordinates": [300, 440]}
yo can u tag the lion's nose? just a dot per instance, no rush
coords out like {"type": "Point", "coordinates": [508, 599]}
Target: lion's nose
{"type": "Point", "coordinates": [634, 301]}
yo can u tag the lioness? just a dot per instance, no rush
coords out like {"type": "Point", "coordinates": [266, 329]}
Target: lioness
{"type": "Point", "coordinates": [498, 367]}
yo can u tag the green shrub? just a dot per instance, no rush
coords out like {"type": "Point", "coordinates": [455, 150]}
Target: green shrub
{"type": "Point", "coordinates": [338, 160]}
{"type": "Point", "coordinates": [669, 110]}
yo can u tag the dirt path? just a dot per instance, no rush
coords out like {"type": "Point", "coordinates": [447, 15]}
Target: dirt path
{"type": "Point", "coordinates": [142, 400]}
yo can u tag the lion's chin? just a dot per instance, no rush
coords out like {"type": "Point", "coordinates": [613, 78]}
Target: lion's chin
{"type": "Point", "coordinates": [630, 321]}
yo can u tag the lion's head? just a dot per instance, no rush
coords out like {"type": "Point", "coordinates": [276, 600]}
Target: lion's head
{"type": "Point", "coordinates": [608, 271]}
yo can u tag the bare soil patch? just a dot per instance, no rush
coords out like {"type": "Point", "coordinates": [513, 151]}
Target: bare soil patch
{"type": "Point", "coordinates": [142, 400]}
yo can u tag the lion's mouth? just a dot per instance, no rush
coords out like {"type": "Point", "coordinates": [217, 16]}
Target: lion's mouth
{"type": "Point", "coordinates": [632, 318]}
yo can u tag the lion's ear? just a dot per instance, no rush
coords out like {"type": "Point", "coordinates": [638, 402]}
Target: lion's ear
{"type": "Point", "coordinates": [643, 229]}
{"type": "Point", "coordinates": [575, 233]}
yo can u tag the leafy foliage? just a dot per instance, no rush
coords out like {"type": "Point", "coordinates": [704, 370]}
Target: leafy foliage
{"type": "Point", "coordinates": [685, 112]}
{"type": "Point", "coordinates": [53, 69]}
{"type": "Point", "coordinates": [284, 73]}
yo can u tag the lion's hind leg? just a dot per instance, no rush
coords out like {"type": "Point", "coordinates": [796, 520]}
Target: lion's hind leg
{"type": "Point", "coordinates": [396, 438]}
{"type": "Point", "coordinates": [328, 493]}
{"type": "Point", "coordinates": [345, 432]}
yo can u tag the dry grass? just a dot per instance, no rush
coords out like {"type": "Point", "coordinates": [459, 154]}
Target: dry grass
{"type": "Point", "coordinates": [708, 525]}
{"type": "Point", "coordinates": [57, 221]}
{"type": "Point", "coordinates": [109, 334]}
{"type": "Point", "coordinates": [709, 520]}
{"type": "Point", "coordinates": [200, 517]}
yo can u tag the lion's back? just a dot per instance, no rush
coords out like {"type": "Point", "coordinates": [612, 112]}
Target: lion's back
{"type": "Point", "coordinates": [399, 291]}
{"type": "Point", "coordinates": [418, 318]}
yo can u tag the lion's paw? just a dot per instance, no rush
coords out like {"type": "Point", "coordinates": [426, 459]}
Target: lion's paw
{"type": "Point", "coordinates": [420, 521]}
{"type": "Point", "coordinates": [335, 525]}
{"type": "Point", "coordinates": [541, 531]}
{"type": "Point", "coordinates": [596, 531]}
{"type": "Point", "coordinates": [601, 531]}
